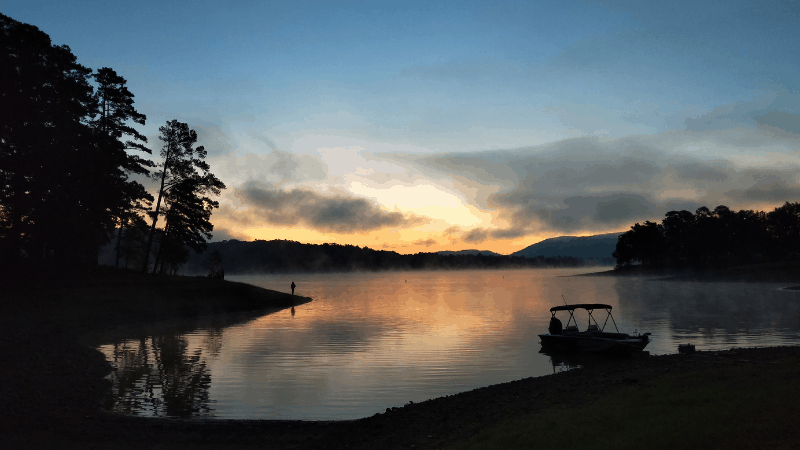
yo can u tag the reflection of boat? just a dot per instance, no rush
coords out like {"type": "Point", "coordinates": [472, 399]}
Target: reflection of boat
{"type": "Point", "coordinates": [562, 361]}
{"type": "Point", "coordinates": [594, 338]}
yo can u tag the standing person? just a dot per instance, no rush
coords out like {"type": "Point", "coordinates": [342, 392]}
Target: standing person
{"type": "Point", "coordinates": [293, 286]}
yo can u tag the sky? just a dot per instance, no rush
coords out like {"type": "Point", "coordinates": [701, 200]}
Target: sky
{"type": "Point", "coordinates": [426, 126]}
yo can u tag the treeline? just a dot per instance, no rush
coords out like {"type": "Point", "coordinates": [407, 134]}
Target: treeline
{"type": "Point", "coordinates": [238, 257]}
{"type": "Point", "coordinates": [712, 238]}
{"type": "Point", "coordinates": [69, 156]}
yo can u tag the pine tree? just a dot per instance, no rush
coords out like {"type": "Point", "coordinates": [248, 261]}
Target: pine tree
{"type": "Point", "coordinates": [45, 147]}
{"type": "Point", "coordinates": [114, 103]}
{"type": "Point", "coordinates": [186, 183]}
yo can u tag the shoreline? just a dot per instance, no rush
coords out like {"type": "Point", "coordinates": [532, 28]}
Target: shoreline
{"type": "Point", "coordinates": [53, 383]}
{"type": "Point", "coordinates": [781, 272]}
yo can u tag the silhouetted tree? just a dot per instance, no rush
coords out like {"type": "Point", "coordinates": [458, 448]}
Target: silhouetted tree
{"type": "Point", "coordinates": [63, 173]}
{"type": "Point", "coordinates": [114, 103]}
{"type": "Point", "coordinates": [186, 183]}
{"type": "Point", "coordinates": [784, 226]}
{"type": "Point", "coordinates": [46, 146]}
{"type": "Point", "coordinates": [678, 228]}
{"type": "Point", "coordinates": [718, 237]}
{"type": "Point", "coordinates": [643, 243]}
{"type": "Point", "coordinates": [214, 266]}
{"type": "Point", "coordinates": [134, 240]}
{"type": "Point", "coordinates": [749, 236]}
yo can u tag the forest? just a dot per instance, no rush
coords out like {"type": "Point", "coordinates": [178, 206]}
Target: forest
{"type": "Point", "coordinates": [712, 238]}
{"type": "Point", "coordinates": [71, 162]}
{"type": "Point", "coordinates": [278, 256]}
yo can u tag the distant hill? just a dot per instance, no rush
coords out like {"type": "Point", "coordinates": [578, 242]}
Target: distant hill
{"type": "Point", "coordinates": [240, 257]}
{"type": "Point", "coordinates": [595, 248]}
{"type": "Point", "coordinates": [470, 252]}
{"type": "Point", "coordinates": [276, 256]}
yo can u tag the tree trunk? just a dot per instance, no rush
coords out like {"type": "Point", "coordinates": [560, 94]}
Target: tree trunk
{"type": "Point", "coordinates": [155, 216]}
{"type": "Point", "coordinates": [119, 243]}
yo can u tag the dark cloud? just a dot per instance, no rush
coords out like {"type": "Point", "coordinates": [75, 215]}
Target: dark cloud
{"type": "Point", "coordinates": [427, 243]}
{"type": "Point", "coordinates": [578, 213]}
{"type": "Point", "coordinates": [338, 214]}
{"type": "Point", "coordinates": [701, 172]}
{"type": "Point", "coordinates": [475, 236]}
{"type": "Point", "coordinates": [229, 214]}
{"type": "Point", "coordinates": [623, 208]}
{"type": "Point", "coordinates": [451, 231]}
{"type": "Point", "coordinates": [509, 233]}
{"type": "Point", "coordinates": [774, 192]}
{"type": "Point", "coordinates": [596, 185]}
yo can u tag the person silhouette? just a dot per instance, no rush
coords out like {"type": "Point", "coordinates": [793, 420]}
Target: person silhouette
{"type": "Point", "coordinates": [293, 286]}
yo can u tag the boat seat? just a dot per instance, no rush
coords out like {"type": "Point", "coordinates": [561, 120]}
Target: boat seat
{"type": "Point", "coordinates": [571, 329]}
{"type": "Point", "coordinates": [592, 327]}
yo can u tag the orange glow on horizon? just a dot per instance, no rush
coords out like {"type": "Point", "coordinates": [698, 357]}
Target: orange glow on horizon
{"type": "Point", "coordinates": [427, 238]}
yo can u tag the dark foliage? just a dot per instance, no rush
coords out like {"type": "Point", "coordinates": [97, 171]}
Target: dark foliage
{"type": "Point", "coordinates": [259, 256]}
{"type": "Point", "coordinates": [712, 238]}
{"type": "Point", "coordinates": [63, 166]}
{"type": "Point", "coordinates": [186, 183]}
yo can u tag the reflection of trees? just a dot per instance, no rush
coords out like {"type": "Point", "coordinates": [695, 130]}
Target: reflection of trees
{"type": "Point", "coordinates": [213, 341]}
{"type": "Point", "coordinates": [162, 376]}
{"type": "Point", "coordinates": [729, 308]}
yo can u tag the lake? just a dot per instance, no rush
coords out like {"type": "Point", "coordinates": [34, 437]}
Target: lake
{"type": "Point", "coordinates": [371, 341]}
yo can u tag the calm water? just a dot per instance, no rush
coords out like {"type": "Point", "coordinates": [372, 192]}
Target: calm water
{"type": "Point", "coordinates": [372, 341]}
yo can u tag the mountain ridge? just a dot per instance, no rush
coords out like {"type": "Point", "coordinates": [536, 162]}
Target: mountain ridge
{"type": "Point", "coordinates": [598, 247]}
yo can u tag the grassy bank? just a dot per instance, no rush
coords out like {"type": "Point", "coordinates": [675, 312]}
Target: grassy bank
{"type": "Point", "coordinates": [732, 405]}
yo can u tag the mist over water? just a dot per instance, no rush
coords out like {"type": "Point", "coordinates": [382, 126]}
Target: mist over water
{"type": "Point", "coordinates": [370, 341]}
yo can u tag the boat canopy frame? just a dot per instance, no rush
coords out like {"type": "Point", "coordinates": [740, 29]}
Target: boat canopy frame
{"type": "Point", "coordinates": [589, 307]}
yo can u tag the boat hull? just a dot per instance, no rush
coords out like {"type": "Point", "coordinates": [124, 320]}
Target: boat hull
{"type": "Point", "coordinates": [584, 343]}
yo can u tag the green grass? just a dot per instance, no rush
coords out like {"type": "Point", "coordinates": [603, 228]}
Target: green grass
{"type": "Point", "coordinates": [731, 407]}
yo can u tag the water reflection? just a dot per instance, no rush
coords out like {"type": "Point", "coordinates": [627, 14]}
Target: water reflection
{"type": "Point", "coordinates": [372, 341]}
{"type": "Point", "coordinates": [716, 316]}
{"type": "Point", "coordinates": [562, 361]}
{"type": "Point", "coordinates": [161, 376]}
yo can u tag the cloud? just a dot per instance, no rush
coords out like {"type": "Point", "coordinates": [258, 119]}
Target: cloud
{"type": "Point", "coordinates": [215, 141]}
{"type": "Point", "coordinates": [774, 110]}
{"type": "Point", "coordinates": [427, 243]}
{"type": "Point", "coordinates": [336, 214]}
{"type": "Point", "coordinates": [451, 231]}
{"type": "Point", "coordinates": [601, 185]}
{"type": "Point", "coordinates": [774, 192]}
{"type": "Point", "coordinates": [276, 167]}
{"type": "Point", "coordinates": [583, 211]}
{"type": "Point", "coordinates": [779, 124]}
{"type": "Point", "coordinates": [475, 236]}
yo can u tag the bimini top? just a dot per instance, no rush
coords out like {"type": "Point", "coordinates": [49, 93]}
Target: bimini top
{"type": "Point", "coordinates": [581, 306]}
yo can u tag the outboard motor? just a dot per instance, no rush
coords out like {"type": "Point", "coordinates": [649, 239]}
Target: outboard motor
{"type": "Point", "coordinates": [555, 326]}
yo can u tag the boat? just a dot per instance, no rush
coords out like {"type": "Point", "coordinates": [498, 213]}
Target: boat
{"type": "Point", "coordinates": [594, 338]}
